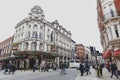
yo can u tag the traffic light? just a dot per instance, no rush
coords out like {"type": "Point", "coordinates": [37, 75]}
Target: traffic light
{"type": "Point", "coordinates": [91, 50]}
{"type": "Point", "coordinates": [97, 53]}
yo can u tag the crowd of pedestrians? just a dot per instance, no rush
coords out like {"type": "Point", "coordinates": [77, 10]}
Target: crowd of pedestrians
{"type": "Point", "coordinates": [9, 69]}
{"type": "Point", "coordinates": [84, 68]}
{"type": "Point", "coordinates": [98, 67]}
{"type": "Point", "coordinates": [45, 67]}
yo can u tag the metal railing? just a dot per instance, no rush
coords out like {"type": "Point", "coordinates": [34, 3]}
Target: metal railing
{"type": "Point", "coordinates": [111, 14]}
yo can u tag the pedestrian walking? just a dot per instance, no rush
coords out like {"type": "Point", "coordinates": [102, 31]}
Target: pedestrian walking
{"type": "Point", "coordinates": [13, 69]}
{"type": "Point", "coordinates": [40, 67]}
{"type": "Point", "coordinates": [97, 69]}
{"type": "Point", "coordinates": [113, 70]}
{"type": "Point", "coordinates": [100, 69]}
{"type": "Point", "coordinates": [34, 67]}
{"type": "Point", "coordinates": [108, 66]}
{"type": "Point", "coordinates": [6, 69]}
{"type": "Point", "coordinates": [54, 66]}
{"type": "Point", "coordinates": [46, 68]}
{"type": "Point", "coordinates": [87, 68]}
{"type": "Point", "coordinates": [22, 66]}
{"type": "Point", "coordinates": [81, 68]}
{"type": "Point", "coordinates": [62, 69]}
{"type": "Point", "coordinates": [65, 68]}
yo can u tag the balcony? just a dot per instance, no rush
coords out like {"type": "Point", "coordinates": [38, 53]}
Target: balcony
{"type": "Point", "coordinates": [111, 15]}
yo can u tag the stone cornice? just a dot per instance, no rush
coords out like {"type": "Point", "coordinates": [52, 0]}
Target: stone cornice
{"type": "Point", "coordinates": [22, 22]}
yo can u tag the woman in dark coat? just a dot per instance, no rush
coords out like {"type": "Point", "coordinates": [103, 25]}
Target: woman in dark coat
{"type": "Point", "coordinates": [113, 70]}
{"type": "Point", "coordinates": [81, 68]}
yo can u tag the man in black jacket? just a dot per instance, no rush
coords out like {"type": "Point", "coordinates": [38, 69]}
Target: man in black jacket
{"type": "Point", "coordinates": [113, 69]}
{"type": "Point", "coordinates": [81, 68]}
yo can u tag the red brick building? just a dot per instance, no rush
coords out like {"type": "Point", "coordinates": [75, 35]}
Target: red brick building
{"type": "Point", "coordinates": [108, 13]}
{"type": "Point", "coordinates": [6, 50]}
{"type": "Point", "coordinates": [80, 51]}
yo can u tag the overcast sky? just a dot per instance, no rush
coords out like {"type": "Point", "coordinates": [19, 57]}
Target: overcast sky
{"type": "Point", "coordinates": [77, 16]}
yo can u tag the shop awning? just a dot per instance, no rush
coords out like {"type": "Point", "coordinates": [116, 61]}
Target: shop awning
{"type": "Point", "coordinates": [106, 54]}
{"type": "Point", "coordinates": [117, 52]}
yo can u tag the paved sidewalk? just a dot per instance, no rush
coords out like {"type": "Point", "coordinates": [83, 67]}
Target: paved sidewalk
{"type": "Point", "coordinates": [106, 76]}
{"type": "Point", "coordinates": [17, 73]}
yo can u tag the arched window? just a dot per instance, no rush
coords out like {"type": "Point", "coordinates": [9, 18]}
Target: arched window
{"type": "Point", "coordinates": [41, 27]}
{"type": "Point", "coordinates": [48, 31]}
{"type": "Point", "coordinates": [41, 46]}
{"type": "Point", "coordinates": [26, 46]}
{"type": "Point", "coordinates": [116, 31]}
{"type": "Point", "coordinates": [22, 28]}
{"type": "Point", "coordinates": [34, 35]}
{"type": "Point", "coordinates": [48, 35]}
{"type": "Point", "coordinates": [35, 26]}
{"type": "Point", "coordinates": [29, 27]}
{"type": "Point", "coordinates": [19, 30]}
{"type": "Point", "coordinates": [52, 36]}
{"type": "Point", "coordinates": [28, 34]}
{"type": "Point", "coordinates": [48, 38]}
{"type": "Point", "coordinates": [41, 35]}
{"type": "Point", "coordinates": [33, 45]}
{"type": "Point", "coordinates": [110, 32]}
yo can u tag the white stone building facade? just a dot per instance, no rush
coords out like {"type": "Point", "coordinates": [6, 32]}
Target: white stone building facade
{"type": "Point", "coordinates": [73, 45]}
{"type": "Point", "coordinates": [41, 41]}
{"type": "Point", "coordinates": [88, 54]}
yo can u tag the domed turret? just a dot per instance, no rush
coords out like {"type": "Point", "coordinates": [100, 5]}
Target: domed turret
{"type": "Point", "coordinates": [37, 9]}
{"type": "Point", "coordinates": [37, 12]}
